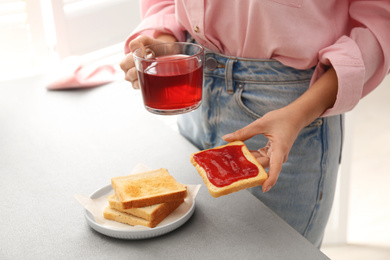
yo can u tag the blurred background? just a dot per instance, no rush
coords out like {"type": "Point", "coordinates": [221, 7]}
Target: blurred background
{"type": "Point", "coordinates": [37, 35]}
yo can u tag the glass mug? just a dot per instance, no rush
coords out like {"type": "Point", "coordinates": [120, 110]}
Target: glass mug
{"type": "Point", "coordinates": [170, 76]}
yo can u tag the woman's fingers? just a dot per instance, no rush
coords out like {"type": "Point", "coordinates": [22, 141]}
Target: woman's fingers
{"type": "Point", "coordinates": [128, 65]}
{"type": "Point", "coordinates": [127, 62]}
{"type": "Point", "coordinates": [277, 156]}
{"type": "Point", "coordinates": [140, 42]}
{"type": "Point", "coordinates": [132, 76]}
{"type": "Point", "coordinates": [244, 133]}
{"type": "Point", "coordinates": [272, 159]}
{"type": "Point", "coordinates": [264, 161]}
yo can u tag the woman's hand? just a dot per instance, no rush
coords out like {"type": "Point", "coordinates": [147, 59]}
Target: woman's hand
{"type": "Point", "coordinates": [282, 126]}
{"type": "Point", "coordinates": [281, 131]}
{"type": "Point", "coordinates": [127, 64]}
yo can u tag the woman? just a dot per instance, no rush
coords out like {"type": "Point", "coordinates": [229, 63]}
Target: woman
{"type": "Point", "coordinates": [279, 75]}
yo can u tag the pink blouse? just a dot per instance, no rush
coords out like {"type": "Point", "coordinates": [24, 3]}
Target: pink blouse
{"type": "Point", "coordinates": [351, 35]}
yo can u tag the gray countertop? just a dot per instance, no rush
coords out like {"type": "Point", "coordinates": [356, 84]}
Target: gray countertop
{"type": "Point", "coordinates": [54, 144]}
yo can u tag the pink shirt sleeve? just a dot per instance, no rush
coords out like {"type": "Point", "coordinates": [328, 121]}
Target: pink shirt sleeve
{"type": "Point", "coordinates": [157, 17]}
{"type": "Point", "coordinates": [361, 59]}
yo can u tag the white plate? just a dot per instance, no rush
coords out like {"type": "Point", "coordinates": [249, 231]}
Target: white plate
{"type": "Point", "coordinates": [134, 234]}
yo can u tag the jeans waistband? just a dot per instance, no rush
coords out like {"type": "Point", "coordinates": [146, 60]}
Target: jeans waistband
{"type": "Point", "coordinates": [246, 69]}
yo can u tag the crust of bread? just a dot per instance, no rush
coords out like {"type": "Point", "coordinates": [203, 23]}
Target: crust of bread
{"type": "Point", "coordinates": [235, 186]}
{"type": "Point", "coordinates": [149, 213]}
{"type": "Point", "coordinates": [147, 188]}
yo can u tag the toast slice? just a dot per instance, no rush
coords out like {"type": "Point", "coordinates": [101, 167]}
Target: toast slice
{"type": "Point", "coordinates": [228, 168]}
{"type": "Point", "coordinates": [147, 188]}
{"type": "Point", "coordinates": [126, 218]}
{"type": "Point", "coordinates": [150, 213]}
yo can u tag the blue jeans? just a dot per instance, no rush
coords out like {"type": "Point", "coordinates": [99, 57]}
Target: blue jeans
{"type": "Point", "coordinates": [236, 92]}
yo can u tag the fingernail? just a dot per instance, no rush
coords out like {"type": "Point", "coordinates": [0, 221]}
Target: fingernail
{"type": "Point", "coordinates": [267, 189]}
{"type": "Point", "coordinates": [227, 136]}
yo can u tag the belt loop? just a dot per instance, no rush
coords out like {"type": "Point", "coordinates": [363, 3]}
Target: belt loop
{"type": "Point", "coordinates": [229, 75]}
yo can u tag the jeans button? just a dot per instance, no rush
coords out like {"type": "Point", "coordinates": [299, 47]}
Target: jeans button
{"type": "Point", "coordinates": [211, 63]}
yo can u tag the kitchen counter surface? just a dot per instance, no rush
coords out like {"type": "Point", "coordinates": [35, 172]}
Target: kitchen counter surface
{"type": "Point", "coordinates": [54, 144]}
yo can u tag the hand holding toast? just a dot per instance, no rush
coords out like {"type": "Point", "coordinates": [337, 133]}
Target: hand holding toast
{"type": "Point", "coordinates": [280, 129]}
{"type": "Point", "coordinates": [282, 126]}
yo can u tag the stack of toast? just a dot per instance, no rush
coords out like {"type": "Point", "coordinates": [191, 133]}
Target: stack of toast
{"type": "Point", "coordinates": [145, 198]}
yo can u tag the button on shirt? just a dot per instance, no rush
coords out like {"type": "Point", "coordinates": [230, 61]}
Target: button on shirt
{"type": "Point", "coordinates": [352, 36]}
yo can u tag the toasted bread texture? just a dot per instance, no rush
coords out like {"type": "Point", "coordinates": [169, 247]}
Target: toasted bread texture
{"type": "Point", "coordinates": [126, 218]}
{"type": "Point", "coordinates": [147, 188]}
{"type": "Point", "coordinates": [231, 169]}
{"type": "Point", "coordinates": [149, 213]}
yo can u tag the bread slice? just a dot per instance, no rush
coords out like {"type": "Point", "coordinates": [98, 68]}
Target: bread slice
{"type": "Point", "coordinates": [147, 188]}
{"type": "Point", "coordinates": [149, 213]}
{"type": "Point", "coordinates": [118, 216]}
{"type": "Point", "coordinates": [126, 218]}
{"type": "Point", "coordinates": [237, 169]}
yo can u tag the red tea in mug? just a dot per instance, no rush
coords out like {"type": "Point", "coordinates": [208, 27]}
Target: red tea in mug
{"type": "Point", "coordinates": [170, 76]}
{"type": "Point", "coordinates": [172, 85]}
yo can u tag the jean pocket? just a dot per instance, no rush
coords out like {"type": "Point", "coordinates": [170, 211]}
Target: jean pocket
{"type": "Point", "coordinates": [256, 99]}
{"type": "Point", "coordinates": [292, 3]}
